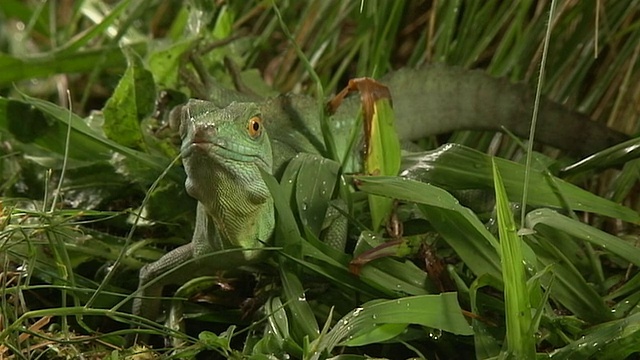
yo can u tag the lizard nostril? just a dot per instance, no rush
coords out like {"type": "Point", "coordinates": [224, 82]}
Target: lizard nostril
{"type": "Point", "coordinates": [203, 133]}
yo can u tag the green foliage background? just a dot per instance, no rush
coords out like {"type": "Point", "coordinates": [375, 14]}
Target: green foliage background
{"type": "Point", "coordinates": [566, 286]}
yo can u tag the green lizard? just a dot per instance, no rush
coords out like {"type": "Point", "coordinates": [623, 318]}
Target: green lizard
{"type": "Point", "coordinates": [225, 144]}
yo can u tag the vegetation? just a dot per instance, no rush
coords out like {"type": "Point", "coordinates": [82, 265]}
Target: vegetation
{"type": "Point", "coordinates": [91, 190]}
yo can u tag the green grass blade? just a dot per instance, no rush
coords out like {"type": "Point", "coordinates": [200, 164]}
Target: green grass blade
{"type": "Point", "coordinates": [569, 286]}
{"type": "Point", "coordinates": [133, 99]}
{"type": "Point", "coordinates": [382, 155]}
{"type": "Point", "coordinates": [436, 311]}
{"type": "Point", "coordinates": [613, 156]}
{"type": "Point", "coordinates": [617, 339]}
{"type": "Point", "coordinates": [90, 34]}
{"type": "Point", "coordinates": [520, 342]}
{"type": "Point", "coordinates": [314, 187]}
{"type": "Point", "coordinates": [459, 226]}
{"type": "Point", "coordinates": [15, 69]}
{"type": "Point", "coordinates": [455, 167]}
{"type": "Point", "coordinates": [585, 232]}
{"type": "Point", "coordinates": [302, 322]}
{"type": "Point", "coordinates": [85, 143]}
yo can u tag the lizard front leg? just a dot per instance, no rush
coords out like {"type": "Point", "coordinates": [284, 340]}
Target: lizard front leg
{"type": "Point", "coordinates": [172, 268]}
{"type": "Point", "coordinates": [148, 304]}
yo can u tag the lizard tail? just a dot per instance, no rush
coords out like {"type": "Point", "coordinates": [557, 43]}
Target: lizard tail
{"type": "Point", "coordinates": [454, 99]}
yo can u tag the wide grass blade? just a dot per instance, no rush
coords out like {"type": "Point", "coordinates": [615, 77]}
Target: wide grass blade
{"type": "Point", "coordinates": [455, 167]}
{"type": "Point", "coordinates": [85, 144]}
{"type": "Point", "coordinates": [458, 225]}
{"type": "Point", "coordinates": [15, 69]}
{"type": "Point", "coordinates": [614, 340]}
{"type": "Point", "coordinates": [360, 326]}
{"type": "Point", "coordinates": [585, 232]}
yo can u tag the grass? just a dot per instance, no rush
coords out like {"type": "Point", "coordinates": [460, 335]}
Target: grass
{"type": "Point", "coordinates": [89, 197]}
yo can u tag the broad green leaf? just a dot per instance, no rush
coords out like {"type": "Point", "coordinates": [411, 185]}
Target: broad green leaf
{"type": "Point", "coordinates": [379, 333]}
{"type": "Point", "coordinates": [455, 167]}
{"type": "Point", "coordinates": [436, 311]}
{"type": "Point", "coordinates": [382, 155]}
{"type": "Point", "coordinates": [164, 63]}
{"type": "Point", "coordinates": [342, 277]}
{"type": "Point", "coordinates": [20, 118]}
{"type": "Point", "coordinates": [224, 23]}
{"type": "Point", "coordinates": [302, 320]}
{"type": "Point", "coordinates": [303, 323]}
{"type": "Point", "coordinates": [396, 277]}
{"type": "Point", "coordinates": [314, 186]}
{"type": "Point", "coordinates": [132, 100]}
{"type": "Point", "coordinates": [627, 305]}
{"type": "Point", "coordinates": [381, 142]}
{"type": "Point", "coordinates": [287, 232]}
{"type": "Point", "coordinates": [630, 286]}
{"type": "Point", "coordinates": [614, 340]}
{"type": "Point", "coordinates": [31, 124]}
{"type": "Point", "coordinates": [384, 277]}
{"type": "Point", "coordinates": [214, 341]}
{"type": "Point", "coordinates": [458, 225]}
{"type": "Point", "coordinates": [277, 319]}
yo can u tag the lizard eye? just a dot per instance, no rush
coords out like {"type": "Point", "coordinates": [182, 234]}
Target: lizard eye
{"type": "Point", "coordinates": [254, 127]}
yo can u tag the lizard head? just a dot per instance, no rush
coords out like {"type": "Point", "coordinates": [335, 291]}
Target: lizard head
{"type": "Point", "coordinates": [223, 150]}
{"type": "Point", "coordinates": [234, 132]}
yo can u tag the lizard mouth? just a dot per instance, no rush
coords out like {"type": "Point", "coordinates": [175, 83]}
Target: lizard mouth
{"type": "Point", "coordinates": [219, 152]}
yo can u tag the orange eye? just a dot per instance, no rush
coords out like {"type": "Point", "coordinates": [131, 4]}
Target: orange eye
{"type": "Point", "coordinates": [254, 127]}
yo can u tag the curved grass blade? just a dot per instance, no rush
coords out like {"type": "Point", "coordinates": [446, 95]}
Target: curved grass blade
{"type": "Point", "coordinates": [16, 69]}
{"type": "Point", "coordinates": [613, 156]}
{"type": "Point", "coordinates": [456, 167]}
{"type": "Point", "coordinates": [436, 311]}
{"type": "Point", "coordinates": [51, 122]}
{"type": "Point", "coordinates": [585, 232]}
{"type": "Point", "coordinates": [614, 340]}
{"type": "Point", "coordinates": [459, 226]}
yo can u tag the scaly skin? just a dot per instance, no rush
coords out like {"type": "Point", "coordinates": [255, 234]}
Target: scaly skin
{"type": "Point", "coordinates": [223, 149]}
{"type": "Point", "coordinates": [438, 99]}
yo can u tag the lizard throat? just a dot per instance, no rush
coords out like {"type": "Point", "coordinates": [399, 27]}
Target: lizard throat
{"type": "Point", "coordinates": [236, 198]}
